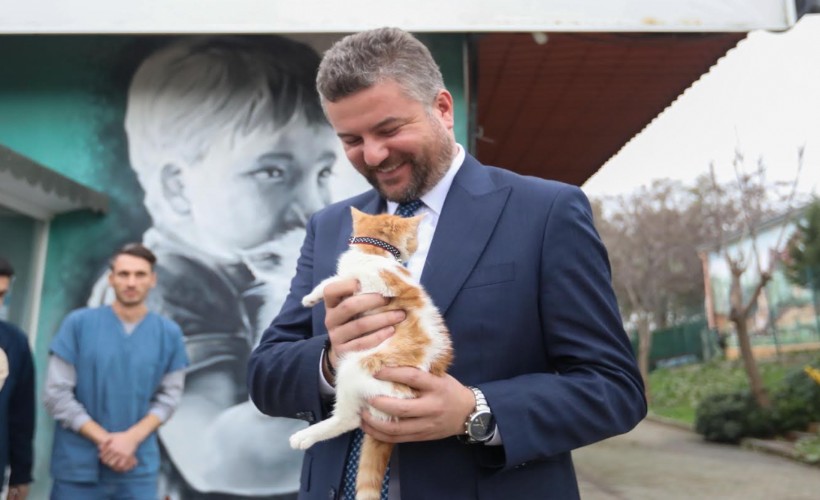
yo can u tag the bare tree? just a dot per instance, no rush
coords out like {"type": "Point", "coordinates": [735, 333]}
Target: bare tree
{"type": "Point", "coordinates": [651, 245]}
{"type": "Point", "coordinates": [734, 211]}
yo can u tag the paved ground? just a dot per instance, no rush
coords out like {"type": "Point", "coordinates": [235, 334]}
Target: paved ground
{"type": "Point", "coordinates": [656, 461]}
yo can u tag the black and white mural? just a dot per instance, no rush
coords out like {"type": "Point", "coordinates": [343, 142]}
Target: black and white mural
{"type": "Point", "coordinates": [230, 147]}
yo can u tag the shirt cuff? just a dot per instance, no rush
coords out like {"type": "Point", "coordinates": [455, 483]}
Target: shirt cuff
{"type": "Point", "coordinates": [496, 439]}
{"type": "Point", "coordinates": [79, 421]}
{"type": "Point", "coordinates": [325, 389]}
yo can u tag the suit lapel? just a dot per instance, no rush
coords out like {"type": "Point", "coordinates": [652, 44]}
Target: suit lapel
{"type": "Point", "coordinates": [467, 221]}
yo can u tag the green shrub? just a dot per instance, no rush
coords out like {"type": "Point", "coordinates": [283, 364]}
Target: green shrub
{"type": "Point", "coordinates": [677, 392]}
{"type": "Point", "coordinates": [796, 402]}
{"type": "Point", "coordinates": [729, 417]}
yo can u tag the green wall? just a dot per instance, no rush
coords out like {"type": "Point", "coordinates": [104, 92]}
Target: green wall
{"type": "Point", "coordinates": [62, 104]}
{"type": "Point", "coordinates": [16, 246]}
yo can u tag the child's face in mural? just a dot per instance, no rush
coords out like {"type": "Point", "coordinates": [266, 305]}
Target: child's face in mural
{"type": "Point", "coordinates": [250, 189]}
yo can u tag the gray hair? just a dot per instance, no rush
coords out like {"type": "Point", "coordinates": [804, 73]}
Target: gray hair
{"type": "Point", "coordinates": [189, 93]}
{"type": "Point", "coordinates": [361, 60]}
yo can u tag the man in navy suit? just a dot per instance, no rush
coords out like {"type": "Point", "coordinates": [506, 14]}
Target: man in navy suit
{"type": "Point", "coordinates": [542, 364]}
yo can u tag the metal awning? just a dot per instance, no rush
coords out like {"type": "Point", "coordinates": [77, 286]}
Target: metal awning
{"type": "Point", "coordinates": [320, 16]}
{"type": "Point", "coordinates": [561, 106]}
{"type": "Point", "coordinates": [37, 191]}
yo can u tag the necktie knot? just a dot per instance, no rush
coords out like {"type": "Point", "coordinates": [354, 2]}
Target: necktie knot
{"type": "Point", "coordinates": [408, 208]}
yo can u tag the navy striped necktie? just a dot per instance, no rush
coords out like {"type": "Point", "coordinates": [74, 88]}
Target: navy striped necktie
{"type": "Point", "coordinates": [408, 208]}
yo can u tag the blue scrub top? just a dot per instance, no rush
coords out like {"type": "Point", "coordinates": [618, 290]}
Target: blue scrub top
{"type": "Point", "coordinates": [117, 376]}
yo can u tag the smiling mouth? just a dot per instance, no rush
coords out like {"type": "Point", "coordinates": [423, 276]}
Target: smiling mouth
{"type": "Point", "coordinates": [389, 168]}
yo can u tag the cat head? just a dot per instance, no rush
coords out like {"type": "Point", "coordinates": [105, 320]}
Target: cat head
{"type": "Point", "coordinates": [400, 232]}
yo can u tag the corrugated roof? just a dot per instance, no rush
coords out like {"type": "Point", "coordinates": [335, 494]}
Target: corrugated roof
{"type": "Point", "coordinates": [42, 191]}
{"type": "Point", "coordinates": [561, 109]}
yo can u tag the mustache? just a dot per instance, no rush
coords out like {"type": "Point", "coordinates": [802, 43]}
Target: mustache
{"type": "Point", "coordinates": [388, 163]}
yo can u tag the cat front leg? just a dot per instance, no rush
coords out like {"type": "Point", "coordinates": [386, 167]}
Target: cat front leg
{"type": "Point", "coordinates": [343, 420]}
{"type": "Point", "coordinates": [317, 294]}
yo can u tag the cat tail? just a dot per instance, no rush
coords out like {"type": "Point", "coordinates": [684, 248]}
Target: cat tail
{"type": "Point", "coordinates": [373, 463]}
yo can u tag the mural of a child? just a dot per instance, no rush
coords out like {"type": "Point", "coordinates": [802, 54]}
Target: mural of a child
{"type": "Point", "coordinates": [230, 145]}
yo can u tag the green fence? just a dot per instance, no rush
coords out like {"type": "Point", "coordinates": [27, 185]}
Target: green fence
{"type": "Point", "coordinates": [690, 342]}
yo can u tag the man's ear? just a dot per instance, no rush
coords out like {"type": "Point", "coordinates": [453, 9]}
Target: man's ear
{"type": "Point", "coordinates": [443, 106]}
{"type": "Point", "coordinates": [173, 189]}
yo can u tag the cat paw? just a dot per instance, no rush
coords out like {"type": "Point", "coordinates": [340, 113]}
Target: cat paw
{"type": "Point", "coordinates": [311, 299]}
{"type": "Point", "coordinates": [302, 440]}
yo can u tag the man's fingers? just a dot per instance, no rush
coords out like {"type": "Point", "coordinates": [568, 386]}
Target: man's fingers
{"type": "Point", "coordinates": [336, 292]}
{"type": "Point", "coordinates": [409, 376]}
{"type": "Point", "coordinates": [351, 307]}
{"type": "Point", "coordinates": [107, 456]}
{"type": "Point", "coordinates": [365, 325]}
{"type": "Point", "coordinates": [356, 334]}
{"type": "Point", "coordinates": [369, 340]}
{"type": "Point", "coordinates": [401, 408]}
{"type": "Point", "coordinates": [122, 464]}
{"type": "Point", "coordinates": [397, 431]}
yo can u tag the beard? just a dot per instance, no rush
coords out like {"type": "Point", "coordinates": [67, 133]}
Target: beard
{"type": "Point", "coordinates": [427, 167]}
{"type": "Point", "coordinates": [132, 301]}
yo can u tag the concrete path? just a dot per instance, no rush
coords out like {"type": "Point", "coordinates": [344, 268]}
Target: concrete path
{"type": "Point", "coordinates": [656, 461]}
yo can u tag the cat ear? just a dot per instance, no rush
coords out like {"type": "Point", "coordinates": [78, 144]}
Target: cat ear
{"type": "Point", "coordinates": [356, 214]}
{"type": "Point", "coordinates": [414, 221]}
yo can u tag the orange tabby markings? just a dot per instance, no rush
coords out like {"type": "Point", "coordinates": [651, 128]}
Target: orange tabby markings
{"type": "Point", "coordinates": [421, 340]}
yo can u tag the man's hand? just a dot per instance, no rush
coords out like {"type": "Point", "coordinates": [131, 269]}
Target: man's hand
{"type": "Point", "coordinates": [348, 327]}
{"type": "Point", "coordinates": [17, 492]}
{"type": "Point", "coordinates": [118, 452]}
{"type": "Point", "coordinates": [439, 411]}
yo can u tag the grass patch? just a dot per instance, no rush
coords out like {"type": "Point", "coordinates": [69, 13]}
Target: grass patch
{"type": "Point", "coordinates": [677, 391]}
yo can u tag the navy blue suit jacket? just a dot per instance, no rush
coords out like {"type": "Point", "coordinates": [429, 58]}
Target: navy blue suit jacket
{"type": "Point", "coordinates": [523, 282]}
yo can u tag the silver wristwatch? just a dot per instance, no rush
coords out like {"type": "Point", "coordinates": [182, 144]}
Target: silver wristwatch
{"type": "Point", "coordinates": [480, 425]}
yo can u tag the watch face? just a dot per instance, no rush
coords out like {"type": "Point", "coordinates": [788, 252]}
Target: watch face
{"type": "Point", "coordinates": [481, 425]}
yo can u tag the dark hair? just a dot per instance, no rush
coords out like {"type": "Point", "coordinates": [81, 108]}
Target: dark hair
{"type": "Point", "coordinates": [135, 250]}
{"type": "Point", "coordinates": [5, 268]}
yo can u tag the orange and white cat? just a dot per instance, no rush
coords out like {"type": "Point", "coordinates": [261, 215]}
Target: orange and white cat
{"type": "Point", "coordinates": [380, 245]}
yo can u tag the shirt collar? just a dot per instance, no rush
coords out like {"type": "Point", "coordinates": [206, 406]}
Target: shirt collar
{"type": "Point", "coordinates": [434, 199]}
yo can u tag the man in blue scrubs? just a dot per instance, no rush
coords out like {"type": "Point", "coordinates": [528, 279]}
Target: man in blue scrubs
{"type": "Point", "coordinates": [115, 374]}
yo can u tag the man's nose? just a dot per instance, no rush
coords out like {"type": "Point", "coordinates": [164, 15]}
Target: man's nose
{"type": "Point", "coordinates": [375, 152]}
